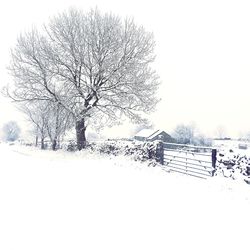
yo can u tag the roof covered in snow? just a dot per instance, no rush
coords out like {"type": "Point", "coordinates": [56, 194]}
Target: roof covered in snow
{"type": "Point", "coordinates": [157, 132]}
{"type": "Point", "coordinates": [146, 132]}
{"type": "Point", "coordinates": [150, 134]}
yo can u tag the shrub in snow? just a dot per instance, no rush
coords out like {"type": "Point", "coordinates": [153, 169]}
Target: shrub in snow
{"type": "Point", "coordinates": [71, 146]}
{"type": "Point", "coordinates": [142, 152]}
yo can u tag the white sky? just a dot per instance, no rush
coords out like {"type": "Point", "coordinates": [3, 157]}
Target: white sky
{"type": "Point", "coordinates": [203, 55]}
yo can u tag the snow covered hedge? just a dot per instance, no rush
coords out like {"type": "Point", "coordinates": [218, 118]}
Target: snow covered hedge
{"type": "Point", "coordinates": [139, 151]}
{"type": "Point", "coordinates": [233, 164]}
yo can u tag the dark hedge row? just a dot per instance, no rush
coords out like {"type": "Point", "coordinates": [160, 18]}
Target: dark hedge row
{"type": "Point", "coordinates": [233, 165]}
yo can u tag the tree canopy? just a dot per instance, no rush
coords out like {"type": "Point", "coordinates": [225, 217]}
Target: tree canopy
{"type": "Point", "coordinates": [96, 66]}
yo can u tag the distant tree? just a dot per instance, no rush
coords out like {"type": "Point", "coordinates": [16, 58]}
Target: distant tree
{"type": "Point", "coordinates": [247, 136]}
{"type": "Point", "coordinates": [221, 132]}
{"type": "Point", "coordinates": [189, 134]}
{"type": "Point", "coordinates": [202, 140]}
{"type": "Point", "coordinates": [49, 120]}
{"type": "Point", "coordinates": [184, 133]}
{"type": "Point", "coordinates": [95, 66]}
{"type": "Point", "coordinates": [59, 120]}
{"type": "Point", "coordinates": [244, 136]}
{"type": "Point", "coordinates": [38, 116]}
{"type": "Point", "coordinates": [11, 131]}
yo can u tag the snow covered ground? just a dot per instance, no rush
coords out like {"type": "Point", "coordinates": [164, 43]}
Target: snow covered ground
{"type": "Point", "coordinates": [60, 200]}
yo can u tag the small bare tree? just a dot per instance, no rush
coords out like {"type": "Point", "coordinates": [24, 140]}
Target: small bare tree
{"type": "Point", "coordinates": [96, 66]}
{"type": "Point", "coordinates": [184, 133]}
{"type": "Point", "coordinates": [190, 134]}
{"type": "Point", "coordinates": [221, 132]}
{"type": "Point", "coordinates": [11, 131]}
{"type": "Point", "coordinates": [59, 121]}
{"type": "Point", "coordinates": [38, 116]}
{"type": "Point", "coordinates": [49, 120]}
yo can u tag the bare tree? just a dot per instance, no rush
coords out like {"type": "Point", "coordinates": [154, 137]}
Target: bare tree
{"type": "Point", "coordinates": [96, 66]}
{"type": "Point", "coordinates": [184, 133]}
{"type": "Point", "coordinates": [190, 134]}
{"type": "Point", "coordinates": [37, 114]}
{"type": "Point", "coordinates": [57, 124]}
{"type": "Point", "coordinates": [49, 120]}
{"type": "Point", "coordinates": [221, 132]}
{"type": "Point", "coordinates": [11, 131]}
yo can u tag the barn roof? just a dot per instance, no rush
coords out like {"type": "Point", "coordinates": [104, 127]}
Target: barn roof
{"type": "Point", "coordinates": [157, 132]}
{"type": "Point", "coordinates": [146, 133]}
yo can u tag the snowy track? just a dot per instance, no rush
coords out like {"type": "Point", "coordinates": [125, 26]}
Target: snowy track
{"type": "Point", "coordinates": [82, 201]}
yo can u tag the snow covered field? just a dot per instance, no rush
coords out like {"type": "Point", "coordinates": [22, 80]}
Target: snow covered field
{"type": "Point", "coordinates": [60, 200]}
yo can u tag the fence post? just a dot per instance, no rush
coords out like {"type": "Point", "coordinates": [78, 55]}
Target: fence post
{"type": "Point", "coordinates": [214, 158]}
{"type": "Point", "coordinates": [160, 153]}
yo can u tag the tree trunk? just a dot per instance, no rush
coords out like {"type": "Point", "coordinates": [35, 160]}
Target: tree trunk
{"type": "Point", "coordinates": [80, 134]}
{"type": "Point", "coordinates": [54, 144]}
{"type": "Point", "coordinates": [42, 143]}
{"type": "Point", "coordinates": [37, 129]}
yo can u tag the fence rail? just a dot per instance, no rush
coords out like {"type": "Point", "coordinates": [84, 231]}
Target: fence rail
{"type": "Point", "coordinates": [186, 146]}
{"type": "Point", "coordinates": [188, 159]}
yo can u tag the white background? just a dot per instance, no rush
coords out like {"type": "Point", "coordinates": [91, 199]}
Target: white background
{"type": "Point", "coordinates": [202, 48]}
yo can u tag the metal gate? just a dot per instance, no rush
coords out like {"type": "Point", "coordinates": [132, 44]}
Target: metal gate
{"type": "Point", "coordinates": [190, 160]}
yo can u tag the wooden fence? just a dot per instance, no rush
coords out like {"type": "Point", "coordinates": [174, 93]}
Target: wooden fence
{"type": "Point", "coordinates": [187, 159]}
